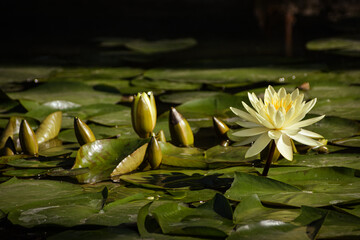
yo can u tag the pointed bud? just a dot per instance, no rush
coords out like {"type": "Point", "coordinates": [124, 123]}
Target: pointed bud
{"type": "Point", "coordinates": [143, 114]}
{"type": "Point", "coordinates": [154, 153]}
{"type": "Point", "coordinates": [82, 132]}
{"type": "Point", "coordinates": [180, 130]}
{"type": "Point", "coordinates": [8, 132]}
{"type": "Point", "coordinates": [221, 129]}
{"type": "Point", "coordinates": [28, 141]}
{"type": "Point", "coordinates": [160, 136]}
{"type": "Point", "coordinates": [9, 148]}
{"type": "Point", "coordinates": [49, 127]}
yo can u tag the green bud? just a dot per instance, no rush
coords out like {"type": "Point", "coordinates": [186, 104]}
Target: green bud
{"type": "Point", "coordinates": [160, 136]}
{"type": "Point", "coordinates": [8, 132]}
{"type": "Point", "coordinates": [180, 130]}
{"type": "Point", "coordinates": [82, 132]}
{"type": "Point", "coordinates": [49, 127]}
{"type": "Point", "coordinates": [221, 129]}
{"type": "Point", "coordinates": [154, 153]}
{"type": "Point", "coordinates": [28, 141]}
{"type": "Point", "coordinates": [9, 148]}
{"type": "Point", "coordinates": [143, 114]}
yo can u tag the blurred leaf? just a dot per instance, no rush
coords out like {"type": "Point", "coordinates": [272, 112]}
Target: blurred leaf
{"type": "Point", "coordinates": [168, 45]}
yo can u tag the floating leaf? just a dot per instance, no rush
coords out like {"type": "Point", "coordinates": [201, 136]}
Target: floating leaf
{"type": "Point", "coordinates": [102, 156]}
{"type": "Point", "coordinates": [25, 172]}
{"type": "Point", "coordinates": [75, 92]}
{"type": "Point", "coordinates": [168, 45]}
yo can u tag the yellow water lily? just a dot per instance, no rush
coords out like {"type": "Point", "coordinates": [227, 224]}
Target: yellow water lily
{"type": "Point", "coordinates": [278, 117]}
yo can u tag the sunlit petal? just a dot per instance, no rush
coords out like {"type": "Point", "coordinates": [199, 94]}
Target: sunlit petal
{"type": "Point", "coordinates": [283, 144]}
{"type": "Point", "coordinates": [305, 140]}
{"type": "Point", "coordinates": [274, 134]}
{"type": "Point", "coordinates": [258, 145]}
{"type": "Point", "coordinates": [243, 115]}
{"type": "Point", "coordinates": [307, 122]}
{"type": "Point", "coordinates": [310, 134]}
{"type": "Point", "coordinates": [250, 132]}
{"type": "Point", "coordinates": [248, 124]}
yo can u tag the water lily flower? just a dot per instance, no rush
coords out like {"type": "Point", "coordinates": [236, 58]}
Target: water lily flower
{"type": "Point", "coordinates": [278, 117]}
{"type": "Point", "coordinates": [143, 114]}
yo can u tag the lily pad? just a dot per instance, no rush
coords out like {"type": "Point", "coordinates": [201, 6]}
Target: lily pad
{"type": "Point", "coordinates": [164, 84]}
{"type": "Point", "coordinates": [182, 97]}
{"type": "Point", "coordinates": [102, 156]}
{"type": "Point", "coordinates": [343, 46]}
{"type": "Point", "coordinates": [161, 46]}
{"type": "Point", "coordinates": [25, 172]}
{"type": "Point", "coordinates": [75, 92]}
{"type": "Point", "coordinates": [34, 163]}
{"type": "Point", "coordinates": [344, 107]}
{"type": "Point", "coordinates": [16, 193]}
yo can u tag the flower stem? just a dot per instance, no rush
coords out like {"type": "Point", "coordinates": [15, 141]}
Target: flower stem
{"type": "Point", "coordinates": [269, 159]}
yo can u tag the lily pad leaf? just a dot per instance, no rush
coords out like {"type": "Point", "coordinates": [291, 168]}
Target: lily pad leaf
{"type": "Point", "coordinates": [161, 46]}
{"type": "Point", "coordinates": [102, 156]}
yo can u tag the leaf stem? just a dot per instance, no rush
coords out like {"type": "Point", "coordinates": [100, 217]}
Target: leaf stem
{"type": "Point", "coordinates": [269, 158]}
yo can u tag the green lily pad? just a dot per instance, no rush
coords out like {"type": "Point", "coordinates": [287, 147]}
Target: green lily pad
{"type": "Point", "coordinates": [103, 233]}
{"type": "Point", "coordinates": [75, 92]}
{"type": "Point", "coordinates": [164, 84]}
{"type": "Point", "coordinates": [349, 142]}
{"type": "Point", "coordinates": [324, 160]}
{"type": "Point", "coordinates": [92, 74]}
{"type": "Point", "coordinates": [161, 46]}
{"type": "Point", "coordinates": [175, 218]}
{"type": "Point", "coordinates": [344, 107]}
{"type": "Point", "coordinates": [6, 103]}
{"type": "Point", "coordinates": [16, 193]}
{"type": "Point", "coordinates": [119, 118]}
{"type": "Point", "coordinates": [25, 172]}
{"type": "Point", "coordinates": [250, 210]}
{"type": "Point", "coordinates": [20, 74]}
{"type": "Point", "coordinates": [234, 76]}
{"type": "Point", "coordinates": [67, 211]}
{"type": "Point", "coordinates": [102, 156]}
{"type": "Point", "coordinates": [100, 132]}
{"type": "Point", "coordinates": [343, 46]}
{"type": "Point", "coordinates": [182, 156]}
{"type": "Point", "coordinates": [334, 224]}
{"type": "Point", "coordinates": [270, 229]}
{"type": "Point", "coordinates": [34, 163]}
{"type": "Point", "coordinates": [333, 128]}
{"type": "Point", "coordinates": [182, 97]}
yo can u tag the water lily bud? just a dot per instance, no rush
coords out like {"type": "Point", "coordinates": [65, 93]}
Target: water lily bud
{"type": "Point", "coordinates": [49, 127]}
{"type": "Point", "coordinates": [180, 130]}
{"type": "Point", "coordinates": [8, 132]}
{"type": "Point", "coordinates": [154, 153]}
{"type": "Point", "coordinates": [83, 132]}
{"type": "Point", "coordinates": [28, 141]}
{"type": "Point", "coordinates": [9, 148]}
{"type": "Point", "coordinates": [143, 114]}
{"type": "Point", "coordinates": [160, 136]}
{"type": "Point", "coordinates": [221, 129]}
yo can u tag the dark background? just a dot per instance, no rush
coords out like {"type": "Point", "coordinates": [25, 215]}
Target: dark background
{"type": "Point", "coordinates": [31, 29]}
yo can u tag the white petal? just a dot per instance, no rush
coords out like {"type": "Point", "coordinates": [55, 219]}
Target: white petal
{"type": "Point", "coordinates": [246, 141]}
{"type": "Point", "coordinates": [283, 144]}
{"type": "Point", "coordinates": [250, 132]}
{"type": "Point", "coordinates": [305, 140]}
{"type": "Point", "coordinates": [294, 94]}
{"type": "Point", "coordinates": [309, 133]}
{"type": "Point", "coordinates": [259, 118]}
{"type": "Point", "coordinates": [279, 119]}
{"type": "Point", "coordinates": [289, 115]}
{"type": "Point", "coordinates": [307, 122]}
{"type": "Point", "coordinates": [258, 145]}
{"type": "Point", "coordinates": [274, 134]}
{"type": "Point", "coordinates": [244, 115]}
{"type": "Point", "coordinates": [247, 124]}
{"type": "Point", "coordinates": [282, 93]}
{"type": "Point", "coordinates": [291, 131]}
